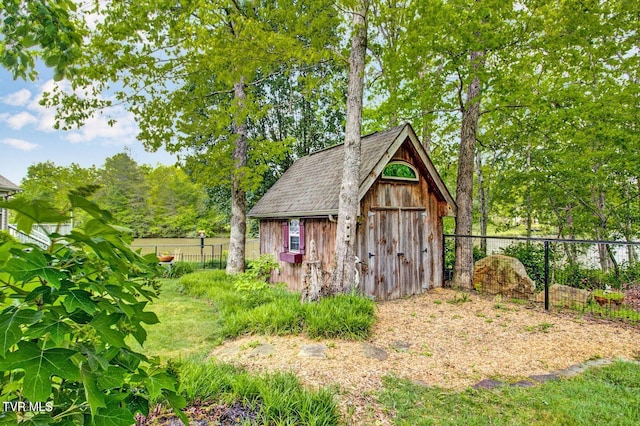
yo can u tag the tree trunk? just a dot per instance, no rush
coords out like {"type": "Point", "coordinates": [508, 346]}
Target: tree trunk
{"type": "Point", "coordinates": [236, 256]}
{"type": "Point", "coordinates": [344, 274]}
{"type": "Point", "coordinates": [463, 267]}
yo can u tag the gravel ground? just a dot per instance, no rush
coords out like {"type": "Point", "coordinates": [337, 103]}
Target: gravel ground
{"type": "Point", "coordinates": [441, 338]}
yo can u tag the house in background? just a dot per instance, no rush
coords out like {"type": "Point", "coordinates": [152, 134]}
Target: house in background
{"type": "Point", "coordinates": [399, 233]}
{"type": "Point", "coordinates": [7, 189]}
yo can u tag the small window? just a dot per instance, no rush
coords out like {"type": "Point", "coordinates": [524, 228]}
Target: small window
{"type": "Point", "coordinates": [294, 235]}
{"type": "Point", "coordinates": [400, 170]}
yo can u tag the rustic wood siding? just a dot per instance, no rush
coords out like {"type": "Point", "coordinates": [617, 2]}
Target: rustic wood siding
{"type": "Point", "coordinates": [400, 223]}
{"type": "Point", "coordinates": [322, 230]}
{"type": "Point", "coordinates": [401, 227]}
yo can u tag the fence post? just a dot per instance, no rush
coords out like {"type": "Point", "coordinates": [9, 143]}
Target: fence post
{"type": "Point", "coordinates": [444, 263]}
{"type": "Point", "coordinates": [546, 275]}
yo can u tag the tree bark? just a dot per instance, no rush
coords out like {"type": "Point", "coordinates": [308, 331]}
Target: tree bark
{"type": "Point", "coordinates": [344, 274]}
{"type": "Point", "coordinates": [463, 267]}
{"type": "Point", "coordinates": [237, 240]}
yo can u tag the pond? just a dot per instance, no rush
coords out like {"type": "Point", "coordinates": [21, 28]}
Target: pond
{"type": "Point", "coordinates": [191, 246]}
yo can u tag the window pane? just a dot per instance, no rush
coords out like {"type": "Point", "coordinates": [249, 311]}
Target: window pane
{"type": "Point", "coordinates": [294, 243]}
{"type": "Point", "coordinates": [294, 227]}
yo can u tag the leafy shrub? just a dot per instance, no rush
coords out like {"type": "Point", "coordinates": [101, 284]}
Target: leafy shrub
{"type": "Point", "coordinates": [532, 257]}
{"type": "Point", "coordinates": [65, 315]}
{"type": "Point", "coordinates": [179, 269]}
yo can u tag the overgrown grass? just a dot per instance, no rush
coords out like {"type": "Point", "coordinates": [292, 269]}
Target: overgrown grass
{"type": "Point", "coordinates": [280, 397]}
{"type": "Point", "coordinates": [606, 395]}
{"type": "Point", "coordinates": [271, 310]}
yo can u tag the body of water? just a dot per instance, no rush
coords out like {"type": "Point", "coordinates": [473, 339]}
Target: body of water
{"type": "Point", "coordinates": [191, 246]}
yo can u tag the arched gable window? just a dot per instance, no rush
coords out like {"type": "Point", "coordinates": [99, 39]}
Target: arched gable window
{"type": "Point", "coordinates": [400, 170]}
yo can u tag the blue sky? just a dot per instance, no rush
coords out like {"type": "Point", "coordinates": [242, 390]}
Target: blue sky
{"type": "Point", "coordinates": [27, 135]}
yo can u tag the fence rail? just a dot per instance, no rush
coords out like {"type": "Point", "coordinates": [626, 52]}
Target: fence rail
{"type": "Point", "coordinates": [208, 255]}
{"type": "Point", "coordinates": [599, 277]}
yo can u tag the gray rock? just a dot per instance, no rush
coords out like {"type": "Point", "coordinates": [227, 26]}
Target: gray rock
{"type": "Point", "coordinates": [488, 384]}
{"type": "Point", "coordinates": [505, 275]}
{"type": "Point", "coordinates": [543, 378]}
{"type": "Point", "coordinates": [401, 346]}
{"type": "Point", "coordinates": [263, 349]}
{"type": "Point", "coordinates": [312, 351]}
{"type": "Point", "coordinates": [565, 295]}
{"type": "Point", "coordinates": [371, 351]}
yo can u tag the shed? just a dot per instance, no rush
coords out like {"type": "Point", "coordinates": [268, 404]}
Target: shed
{"type": "Point", "coordinates": [399, 234]}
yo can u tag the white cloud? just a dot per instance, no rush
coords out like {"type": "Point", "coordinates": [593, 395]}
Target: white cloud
{"type": "Point", "coordinates": [18, 121]}
{"type": "Point", "coordinates": [20, 144]}
{"type": "Point", "coordinates": [19, 98]}
{"type": "Point", "coordinates": [97, 129]}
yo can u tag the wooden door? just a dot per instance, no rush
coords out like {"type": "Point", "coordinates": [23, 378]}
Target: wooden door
{"type": "Point", "coordinates": [397, 260]}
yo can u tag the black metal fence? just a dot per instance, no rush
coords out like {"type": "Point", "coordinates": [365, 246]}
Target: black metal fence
{"type": "Point", "coordinates": [598, 277]}
{"type": "Point", "coordinates": [204, 256]}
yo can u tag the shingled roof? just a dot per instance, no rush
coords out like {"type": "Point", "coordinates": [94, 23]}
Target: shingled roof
{"type": "Point", "coordinates": [7, 186]}
{"type": "Point", "coordinates": [311, 186]}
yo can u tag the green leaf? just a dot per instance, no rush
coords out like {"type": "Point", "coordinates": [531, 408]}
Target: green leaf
{"type": "Point", "coordinates": [79, 299]}
{"type": "Point", "coordinates": [112, 378]}
{"type": "Point", "coordinates": [10, 321]}
{"type": "Point", "coordinates": [28, 213]}
{"type": "Point", "coordinates": [34, 264]}
{"type": "Point", "coordinates": [94, 396]}
{"type": "Point", "coordinates": [102, 323]}
{"type": "Point", "coordinates": [113, 416]}
{"type": "Point", "coordinates": [156, 383]}
{"type": "Point", "coordinates": [39, 365]}
{"type": "Point", "coordinates": [57, 329]}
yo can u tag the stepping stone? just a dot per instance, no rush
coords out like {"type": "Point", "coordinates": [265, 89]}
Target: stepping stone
{"type": "Point", "coordinates": [488, 384]}
{"type": "Point", "coordinates": [543, 378]}
{"type": "Point", "coordinates": [312, 351]}
{"type": "Point", "coordinates": [262, 349]}
{"type": "Point", "coordinates": [523, 384]}
{"type": "Point", "coordinates": [401, 346]}
{"type": "Point", "coordinates": [371, 351]}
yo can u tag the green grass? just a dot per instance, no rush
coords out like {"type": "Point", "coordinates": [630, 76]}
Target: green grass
{"type": "Point", "coordinates": [273, 310]}
{"type": "Point", "coordinates": [605, 395]}
{"type": "Point", "coordinates": [280, 397]}
{"type": "Point", "coordinates": [186, 324]}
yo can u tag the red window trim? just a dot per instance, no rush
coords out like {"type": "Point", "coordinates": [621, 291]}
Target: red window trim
{"type": "Point", "coordinates": [286, 255]}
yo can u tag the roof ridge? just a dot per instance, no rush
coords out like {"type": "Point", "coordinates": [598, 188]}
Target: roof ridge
{"type": "Point", "coordinates": [361, 137]}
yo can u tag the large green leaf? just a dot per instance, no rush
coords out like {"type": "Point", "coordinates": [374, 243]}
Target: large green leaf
{"type": "Point", "coordinates": [29, 213]}
{"type": "Point", "coordinates": [158, 382]}
{"type": "Point", "coordinates": [79, 299]}
{"type": "Point", "coordinates": [10, 321]}
{"type": "Point", "coordinates": [94, 396]}
{"type": "Point", "coordinates": [113, 416]}
{"type": "Point", "coordinates": [39, 365]}
{"type": "Point", "coordinates": [34, 264]}
{"type": "Point", "coordinates": [103, 323]}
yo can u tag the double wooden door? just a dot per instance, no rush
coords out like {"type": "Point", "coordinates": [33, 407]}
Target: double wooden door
{"type": "Point", "coordinates": [396, 255]}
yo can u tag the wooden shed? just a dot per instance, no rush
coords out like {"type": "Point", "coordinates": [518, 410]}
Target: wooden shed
{"type": "Point", "coordinates": [399, 226]}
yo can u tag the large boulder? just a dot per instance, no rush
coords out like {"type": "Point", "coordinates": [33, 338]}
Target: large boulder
{"type": "Point", "coordinates": [505, 275]}
{"type": "Point", "coordinates": [565, 296]}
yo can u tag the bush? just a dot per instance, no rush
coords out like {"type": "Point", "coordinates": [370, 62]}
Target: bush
{"type": "Point", "coordinates": [179, 269]}
{"type": "Point", "coordinates": [66, 313]}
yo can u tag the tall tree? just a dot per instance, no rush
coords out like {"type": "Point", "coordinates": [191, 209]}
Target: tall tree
{"type": "Point", "coordinates": [343, 277]}
{"type": "Point", "coordinates": [188, 72]}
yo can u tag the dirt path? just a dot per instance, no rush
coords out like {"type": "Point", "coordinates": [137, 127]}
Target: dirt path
{"type": "Point", "coordinates": [441, 338]}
